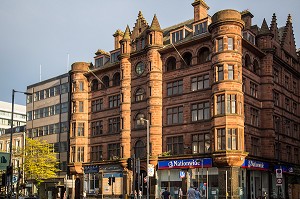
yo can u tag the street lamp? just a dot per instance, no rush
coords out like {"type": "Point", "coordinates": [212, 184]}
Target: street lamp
{"type": "Point", "coordinates": [148, 151]}
{"type": "Point", "coordinates": [278, 149]}
{"type": "Point", "coordinates": [11, 134]}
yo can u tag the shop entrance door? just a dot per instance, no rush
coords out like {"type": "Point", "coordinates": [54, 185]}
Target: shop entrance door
{"type": "Point", "coordinates": [257, 185]}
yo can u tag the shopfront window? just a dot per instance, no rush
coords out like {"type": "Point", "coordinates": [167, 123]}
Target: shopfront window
{"type": "Point", "coordinates": [205, 179]}
{"type": "Point", "coordinates": [92, 183]}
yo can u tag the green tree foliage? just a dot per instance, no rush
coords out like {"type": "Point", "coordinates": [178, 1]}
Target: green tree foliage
{"type": "Point", "coordinates": [40, 160]}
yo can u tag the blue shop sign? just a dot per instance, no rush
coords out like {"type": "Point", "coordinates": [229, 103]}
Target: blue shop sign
{"type": "Point", "coordinates": [185, 163]}
{"type": "Point", "coordinates": [117, 175]}
{"type": "Point", "coordinates": [256, 165]}
{"type": "Point", "coordinates": [285, 169]}
{"type": "Point", "coordinates": [91, 169]}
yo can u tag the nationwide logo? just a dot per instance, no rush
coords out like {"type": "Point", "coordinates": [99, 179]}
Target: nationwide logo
{"type": "Point", "coordinates": [258, 165]}
{"type": "Point", "coordinates": [185, 163]}
{"type": "Point", "coordinates": [255, 164]}
{"type": "Point", "coordinates": [182, 163]}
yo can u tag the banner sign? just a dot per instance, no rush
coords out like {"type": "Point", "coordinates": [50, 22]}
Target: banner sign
{"type": "Point", "coordinates": [117, 175]}
{"type": "Point", "coordinates": [255, 165]}
{"type": "Point", "coordinates": [91, 169]}
{"type": "Point", "coordinates": [185, 163]}
{"type": "Point", "coordinates": [285, 169]}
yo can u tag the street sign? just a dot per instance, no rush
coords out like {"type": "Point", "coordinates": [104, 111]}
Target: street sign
{"type": "Point", "coordinates": [182, 174]}
{"type": "Point", "coordinates": [15, 179]}
{"type": "Point", "coordinates": [278, 173]}
{"type": "Point", "coordinates": [4, 160]}
{"type": "Point", "coordinates": [279, 182]}
{"type": "Point", "coordinates": [70, 183]}
{"type": "Point", "coordinates": [150, 170]}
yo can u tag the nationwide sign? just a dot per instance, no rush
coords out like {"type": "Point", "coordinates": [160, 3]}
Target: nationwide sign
{"type": "Point", "coordinates": [185, 163]}
{"type": "Point", "coordinates": [256, 165]}
{"type": "Point", "coordinates": [91, 169]}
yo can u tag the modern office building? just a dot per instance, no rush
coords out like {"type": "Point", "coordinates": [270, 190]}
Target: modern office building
{"type": "Point", "coordinates": [48, 119]}
{"type": "Point", "coordinates": [5, 115]}
{"type": "Point", "coordinates": [221, 96]}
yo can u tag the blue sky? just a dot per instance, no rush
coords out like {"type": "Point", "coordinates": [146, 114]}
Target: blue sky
{"type": "Point", "coordinates": [42, 33]}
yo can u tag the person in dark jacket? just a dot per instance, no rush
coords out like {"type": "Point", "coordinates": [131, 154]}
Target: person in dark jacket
{"type": "Point", "coordinates": [166, 194]}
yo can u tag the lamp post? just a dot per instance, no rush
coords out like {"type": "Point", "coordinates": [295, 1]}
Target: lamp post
{"type": "Point", "coordinates": [148, 151]}
{"type": "Point", "coordinates": [278, 149]}
{"type": "Point", "coordinates": [11, 136]}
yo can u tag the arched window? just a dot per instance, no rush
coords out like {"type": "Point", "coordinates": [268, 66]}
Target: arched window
{"type": "Point", "coordinates": [140, 149]}
{"type": "Point", "coordinates": [139, 95]}
{"type": "Point", "coordinates": [171, 64]}
{"type": "Point", "coordinates": [247, 61]}
{"type": "Point", "coordinates": [255, 67]}
{"type": "Point", "coordinates": [116, 79]}
{"type": "Point", "coordinates": [187, 57]}
{"type": "Point", "coordinates": [139, 123]}
{"type": "Point", "coordinates": [203, 55]}
{"type": "Point", "coordinates": [94, 85]}
{"type": "Point", "coordinates": [105, 81]}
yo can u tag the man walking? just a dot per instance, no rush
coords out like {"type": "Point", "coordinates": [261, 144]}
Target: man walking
{"type": "Point", "coordinates": [166, 194]}
{"type": "Point", "coordinates": [191, 193]}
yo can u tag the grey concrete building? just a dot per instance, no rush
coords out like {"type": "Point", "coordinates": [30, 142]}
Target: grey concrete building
{"type": "Point", "coordinates": [48, 119]}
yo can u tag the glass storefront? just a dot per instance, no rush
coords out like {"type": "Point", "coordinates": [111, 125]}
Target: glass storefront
{"type": "Point", "coordinates": [206, 180]}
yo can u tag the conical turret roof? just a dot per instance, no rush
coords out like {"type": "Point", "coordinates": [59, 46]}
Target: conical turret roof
{"type": "Point", "coordinates": [127, 33]}
{"type": "Point", "coordinates": [264, 28]}
{"type": "Point", "coordinates": [155, 24]}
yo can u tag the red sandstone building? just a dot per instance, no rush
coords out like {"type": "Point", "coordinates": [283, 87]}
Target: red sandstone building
{"type": "Point", "coordinates": [222, 99]}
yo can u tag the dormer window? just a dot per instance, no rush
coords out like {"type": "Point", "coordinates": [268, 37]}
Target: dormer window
{"type": "Point", "coordinates": [102, 59]}
{"type": "Point", "coordinates": [200, 28]}
{"type": "Point", "coordinates": [114, 56]}
{"type": "Point", "coordinates": [177, 36]}
{"type": "Point", "coordinates": [99, 62]}
{"type": "Point", "coordinates": [249, 37]}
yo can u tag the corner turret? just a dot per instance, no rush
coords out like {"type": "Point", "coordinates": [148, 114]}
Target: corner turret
{"type": "Point", "coordinates": [155, 33]}
{"type": "Point", "coordinates": [125, 42]}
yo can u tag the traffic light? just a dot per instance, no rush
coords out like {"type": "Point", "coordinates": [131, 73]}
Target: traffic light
{"type": "Point", "coordinates": [113, 179]}
{"type": "Point", "coordinates": [20, 175]}
{"type": "Point", "coordinates": [9, 170]}
{"type": "Point", "coordinates": [3, 179]}
{"type": "Point", "coordinates": [109, 181]}
{"type": "Point", "coordinates": [129, 163]}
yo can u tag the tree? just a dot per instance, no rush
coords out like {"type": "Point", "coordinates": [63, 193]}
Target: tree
{"type": "Point", "coordinates": [40, 160]}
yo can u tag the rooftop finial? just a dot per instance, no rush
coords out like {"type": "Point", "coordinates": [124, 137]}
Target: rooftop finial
{"type": "Point", "coordinates": [289, 19]}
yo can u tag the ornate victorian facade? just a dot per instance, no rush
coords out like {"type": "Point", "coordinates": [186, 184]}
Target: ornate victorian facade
{"type": "Point", "coordinates": [222, 99]}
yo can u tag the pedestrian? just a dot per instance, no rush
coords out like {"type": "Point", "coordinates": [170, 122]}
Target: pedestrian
{"type": "Point", "coordinates": [166, 194]}
{"type": "Point", "coordinates": [135, 194]}
{"type": "Point", "coordinates": [176, 192]}
{"type": "Point", "coordinates": [191, 194]}
{"type": "Point", "coordinates": [197, 193]}
{"type": "Point", "coordinates": [180, 194]}
{"type": "Point", "coordinates": [84, 194]}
